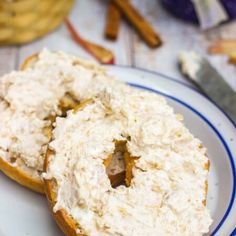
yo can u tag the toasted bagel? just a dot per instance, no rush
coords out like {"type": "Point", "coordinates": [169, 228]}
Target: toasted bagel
{"type": "Point", "coordinates": [48, 85]}
{"type": "Point", "coordinates": [165, 170]}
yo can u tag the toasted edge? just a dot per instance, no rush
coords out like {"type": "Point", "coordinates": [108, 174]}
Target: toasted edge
{"type": "Point", "coordinates": [67, 224]}
{"type": "Point", "coordinates": [22, 177]}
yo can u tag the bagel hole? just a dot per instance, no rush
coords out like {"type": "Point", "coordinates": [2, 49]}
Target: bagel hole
{"type": "Point", "coordinates": [119, 165]}
{"type": "Point", "coordinates": [68, 102]}
{"type": "Point", "coordinates": [115, 165]}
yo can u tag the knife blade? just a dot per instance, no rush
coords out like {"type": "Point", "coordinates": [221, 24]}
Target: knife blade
{"type": "Point", "coordinates": [199, 70]}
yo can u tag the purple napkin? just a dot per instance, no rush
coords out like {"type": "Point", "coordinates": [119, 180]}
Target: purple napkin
{"type": "Point", "coordinates": [185, 9]}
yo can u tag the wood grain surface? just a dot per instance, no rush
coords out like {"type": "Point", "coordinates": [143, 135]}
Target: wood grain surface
{"type": "Point", "coordinates": [89, 17]}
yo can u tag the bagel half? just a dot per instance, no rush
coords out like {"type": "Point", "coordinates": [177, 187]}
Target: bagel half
{"type": "Point", "coordinates": [65, 218]}
{"type": "Point", "coordinates": [28, 176]}
{"type": "Point", "coordinates": [23, 174]}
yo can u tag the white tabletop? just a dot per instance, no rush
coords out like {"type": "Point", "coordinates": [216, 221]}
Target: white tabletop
{"type": "Point", "coordinates": [88, 16]}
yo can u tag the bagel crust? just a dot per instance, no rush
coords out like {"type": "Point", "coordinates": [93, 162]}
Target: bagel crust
{"type": "Point", "coordinates": [165, 170]}
{"type": "Point", "coordinates": [21, 176]}
{"type": "Point", "coordinates": [63, 219]}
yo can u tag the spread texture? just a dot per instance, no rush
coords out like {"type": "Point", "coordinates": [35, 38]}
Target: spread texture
{"type": "Point", "coordinates": [31, 99]}
{"type": "Point", "coordinates": [167, 183]}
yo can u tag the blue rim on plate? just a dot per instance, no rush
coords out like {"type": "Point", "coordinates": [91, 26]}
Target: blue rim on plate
{"type": "Point", "coordinates": [230, 156]}
{"type": "Point", "coordinates": [233, 233]}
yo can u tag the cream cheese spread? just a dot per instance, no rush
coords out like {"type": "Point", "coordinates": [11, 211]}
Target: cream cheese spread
{"type": "Point", "coordinates": [29, 98]}
{"type": "Point", "coordinates": [169, 177]}
{"type": "Point", "coordinates": [190, 63]}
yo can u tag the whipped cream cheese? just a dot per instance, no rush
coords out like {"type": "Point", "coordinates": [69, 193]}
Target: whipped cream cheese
{"type": "Point", "coordinates": [190, 63]}
{"type": "Point", "coordinates": [169, 177]}
{"type": "Point", "coordinates": [29, 98]}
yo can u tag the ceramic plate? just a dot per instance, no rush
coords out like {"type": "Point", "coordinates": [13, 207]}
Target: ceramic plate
{"type": "Point", "coordinates": [24, 213]}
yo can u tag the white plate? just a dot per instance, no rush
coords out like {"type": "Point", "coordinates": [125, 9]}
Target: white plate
{"type": "Point", "coordinates": [24, 213]}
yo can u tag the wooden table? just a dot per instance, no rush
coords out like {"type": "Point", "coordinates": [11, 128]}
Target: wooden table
{"type": "Point", "coordinates": [89, 16]}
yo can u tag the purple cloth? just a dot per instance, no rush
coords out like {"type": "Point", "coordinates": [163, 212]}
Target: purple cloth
{"type": "Point", "coordinates": [184, 8]}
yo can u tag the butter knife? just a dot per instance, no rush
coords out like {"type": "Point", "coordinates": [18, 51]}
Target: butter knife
{"type": "Point", "coordinates": [205, 76]}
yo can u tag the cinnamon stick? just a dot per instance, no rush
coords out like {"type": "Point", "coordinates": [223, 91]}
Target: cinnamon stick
{"type": "Point", "coordinates": [102, 54]}
{"type": "Point", "coordinates": [142, 26]}
{"type": "Point", "coordinates": [112, 21]}
{"type": "Point", "coordinates": [224, 46]}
